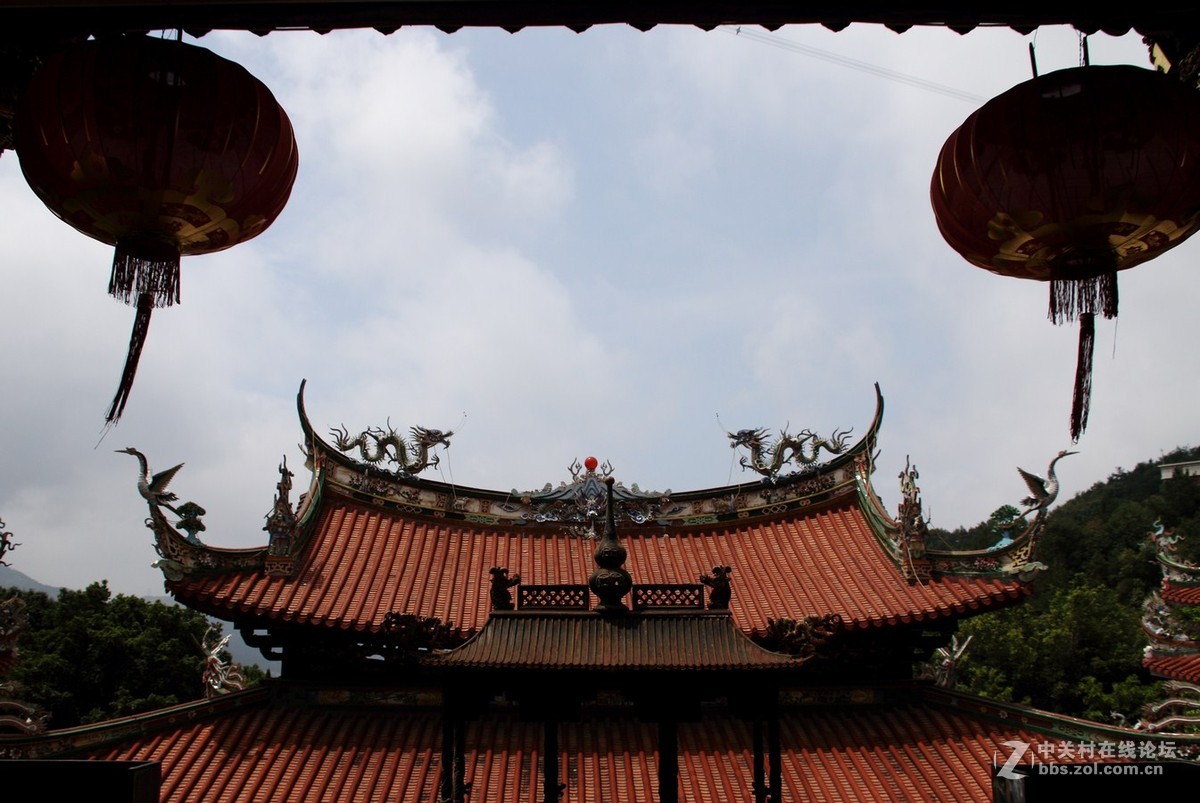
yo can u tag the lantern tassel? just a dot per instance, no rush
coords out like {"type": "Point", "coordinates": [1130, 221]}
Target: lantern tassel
{"type": "Point", "coordinates": [137, 339]}
{"type": "Point", "coordinates": [1082, 400]}
{"type": "Point", "coordinates": [145, 269]}
{"type": "Point", "coordinates": [1072, 298]}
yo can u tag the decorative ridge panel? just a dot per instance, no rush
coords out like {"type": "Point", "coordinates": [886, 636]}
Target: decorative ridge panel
{"type": "Point", "coordinates": [579, 503]}
{"type": "Point", "coordinates": [180, 556]}
{"type": "Point", "coordinates": [906, 538]}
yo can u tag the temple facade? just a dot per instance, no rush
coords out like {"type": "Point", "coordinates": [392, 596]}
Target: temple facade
{"type": "Point", "coordinates": [786, 638]}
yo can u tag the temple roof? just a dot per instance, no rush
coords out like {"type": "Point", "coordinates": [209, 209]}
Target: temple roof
{"type": "Point", "coordinates": [1184, 666]}
{"type": "Point", "coordinates": [589, 641]}
{"type": "Point", "coordinates": [367, 542]}
{"type": "Point", "coordinates": [1180, 593]}
{"type": "Point", "coordinates": [364, 563]}
{"type": "Point", "coordinates": [283, 743]}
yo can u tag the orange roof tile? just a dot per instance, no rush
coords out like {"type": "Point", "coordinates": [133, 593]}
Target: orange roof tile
{"type": "Point", "coordinates": [924, 746]}
{"type": "Point", "coordinates": [364, 561]}
{"type": "Point", "coordinates": [1180, 594]}
{"type": "Point", "coordinates": [1177, 667]}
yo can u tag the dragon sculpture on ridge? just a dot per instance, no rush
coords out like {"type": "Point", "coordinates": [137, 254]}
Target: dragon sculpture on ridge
{"type": "Point", "coordinates": [768, 457]}
{"type": "Point", "coordinates": [377, 445]}
{"type": "Point", "coordinates": [221, 675]}
{"type": "Point", "coordinates": [7, 544]}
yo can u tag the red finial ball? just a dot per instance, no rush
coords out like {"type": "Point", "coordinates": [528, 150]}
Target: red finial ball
{"type": "Point", "coordinates": [590, 463]}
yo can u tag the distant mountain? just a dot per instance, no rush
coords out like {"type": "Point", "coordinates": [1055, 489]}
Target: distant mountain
{"type": "Point", "coordinates": [11, 578]}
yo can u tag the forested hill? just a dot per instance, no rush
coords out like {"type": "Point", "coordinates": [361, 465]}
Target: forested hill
{"type": "Point", "coordinates": [1076, 645]}
{"type": "Point", "coordinates": [1101, 533]}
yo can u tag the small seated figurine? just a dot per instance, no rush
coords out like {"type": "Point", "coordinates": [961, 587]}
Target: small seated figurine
{"type": "Point", "coordinates": [501, 582]}
{"type": "Point", "coordinates": [718, 582]}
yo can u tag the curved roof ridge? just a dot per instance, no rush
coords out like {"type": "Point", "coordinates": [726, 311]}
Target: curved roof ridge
{"type": "Point", "coordinates": [62, 743]}
{"type": "Point", "coordinates": [366, 543]}
{"type": "Point", "coordinates": [549, 504]}
{"type": "Point", "coordinates": [1048, 722]}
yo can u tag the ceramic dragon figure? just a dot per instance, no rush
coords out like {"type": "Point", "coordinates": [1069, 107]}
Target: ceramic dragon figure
{"type": "Point", "coordinates": [377, 445]}
{"type": "Point", "coordinates": [1174, 713]}
{"type": "Point", "coordinates": [221, 676]}
{"type": "Point", "coordinates": [6, 544]}
{"type": "Point", "coordinates": [768, 457]}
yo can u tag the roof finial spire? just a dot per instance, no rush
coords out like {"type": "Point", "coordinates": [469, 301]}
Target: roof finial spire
{"type": "Point", "coordinates": [609, 581]}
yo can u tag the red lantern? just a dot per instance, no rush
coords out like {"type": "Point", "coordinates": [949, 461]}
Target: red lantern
{"type": "Point", "coordinates": [1069, 178]}
{"type": "Point", "coordinates": [160, 149]}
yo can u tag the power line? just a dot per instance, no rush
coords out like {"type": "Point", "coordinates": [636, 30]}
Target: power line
{"type": "Point", "coordinates": [854, 64]}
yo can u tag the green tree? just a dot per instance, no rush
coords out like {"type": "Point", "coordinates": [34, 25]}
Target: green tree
{"type": "Point", "coordinates": [1080, 656]}
{"type": "Point", "coordinates": [1101, 534]}
{"type": "Point", "coordinates": [1075, 647]}
{"type": "Point", "coordinates": [982, 536]}
{"type": "Point", "coordinates": [88, 656]}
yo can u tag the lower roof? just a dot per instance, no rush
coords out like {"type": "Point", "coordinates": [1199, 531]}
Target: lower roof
{"type": "Point", "coordinates": [912, 743]}
{"type": "Point", "coordinates": [588, 641]}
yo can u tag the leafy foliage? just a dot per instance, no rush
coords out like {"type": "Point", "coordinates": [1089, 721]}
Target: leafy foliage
{"type": "Point", "coordinates": [982, 536]}
{"type": "Point", "coordinates": [88, 656]}
{"type": "Point", "coordinates": [1080, 656]}
{"type": "Point", "coordinates": [1076, 646]}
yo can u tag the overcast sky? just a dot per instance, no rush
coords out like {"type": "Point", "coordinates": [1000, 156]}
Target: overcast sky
{"type": "Point", "coordinates": [590, 244]}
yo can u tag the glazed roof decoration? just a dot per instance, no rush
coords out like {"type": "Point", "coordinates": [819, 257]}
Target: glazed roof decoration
{"type": "Point", "coordinates": [16, 716]}
{"type": "Point", "coordinates": [1173, 651]}
{"type": "Point", "coordinates": [370, 538]}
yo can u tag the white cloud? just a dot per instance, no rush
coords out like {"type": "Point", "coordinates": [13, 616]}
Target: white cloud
{"type": "Point", "coordinates": [591, 244]}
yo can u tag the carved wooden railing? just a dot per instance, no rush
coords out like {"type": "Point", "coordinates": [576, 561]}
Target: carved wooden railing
{"type": "Point", "coordinates": [668, 596]}
{"type": "Point", "coordinates": [688, 596]}
{"type": "Point", "coordinates": [553, 597]}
